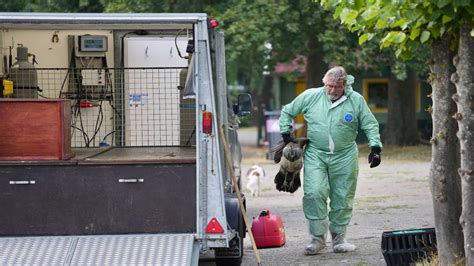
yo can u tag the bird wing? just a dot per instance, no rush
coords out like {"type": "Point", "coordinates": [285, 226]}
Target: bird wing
{"type": "Point", "coordinates": [278, 151]}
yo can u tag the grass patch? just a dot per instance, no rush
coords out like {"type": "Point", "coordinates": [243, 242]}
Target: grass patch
{"type": "Point", "coordinates": [255, 155]}
{"type": "Point", "coordinates": [421, 179]}
{"type": "Point", "coordinates": [401, 153]}
{"type": "Point", "coordinates": [431, 260]}
{"type": "Point", "coordinates": [380, 209]}
{"type": "Point", "coordinates": [397, 207]}
{"type": "Point", "coordinates": [373, 204]}
{"type": "Point", "coordinates": [371, 200]}
{"type": "Point", "coordinates": [434, 260]}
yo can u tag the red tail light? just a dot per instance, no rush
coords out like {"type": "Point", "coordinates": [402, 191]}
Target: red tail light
{"type": "Point", "coordinates": [214, 227]}
{"type": "Point", "coordinates": [213, 23]}
{"type": "Point", "coordinates": [207, 122]}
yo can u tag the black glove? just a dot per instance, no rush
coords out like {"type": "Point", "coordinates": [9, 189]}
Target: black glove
{"type": "Point", "coordinates": [374, 156]}
{"type": "Point", "coordinates": [287, 138]}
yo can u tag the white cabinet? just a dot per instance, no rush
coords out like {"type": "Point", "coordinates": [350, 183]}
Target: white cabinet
{"type": "Point", "coordinates": [151, 85]}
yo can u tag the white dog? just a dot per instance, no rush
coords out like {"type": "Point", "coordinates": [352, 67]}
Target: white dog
{"type": "Point", "coordinates": [254, 177]}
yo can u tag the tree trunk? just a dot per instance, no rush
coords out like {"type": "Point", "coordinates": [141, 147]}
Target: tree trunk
{"type": "Point", "coordinates": [267, 92]}
{"type": "Point", "coordinates": [464, 81]}
{"type": "Point", "coordinates": [315, 66]}
{"type": "Point", "coordinates": [315, 70]}
{"type": "Point", "coordinates": [445, 182]}
{"type": "Point", "coordinates": [401, 128]}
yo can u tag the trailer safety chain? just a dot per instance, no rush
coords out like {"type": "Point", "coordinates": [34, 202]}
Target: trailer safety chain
{"type": "Point", "coordinates": [239, 197]}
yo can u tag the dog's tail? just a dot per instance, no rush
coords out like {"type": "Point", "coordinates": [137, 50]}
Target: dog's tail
{"type": "Point", "coordinates": [256, 169]}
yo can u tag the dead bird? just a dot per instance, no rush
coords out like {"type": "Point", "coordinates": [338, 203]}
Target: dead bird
{"type": "Point", "coordinates": [290, 158]}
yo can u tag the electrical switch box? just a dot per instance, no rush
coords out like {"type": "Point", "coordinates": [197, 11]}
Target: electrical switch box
{"type": "Point", "coordinates": [90, 45]}
{"type": "Point", "coordinates": [93, 77]}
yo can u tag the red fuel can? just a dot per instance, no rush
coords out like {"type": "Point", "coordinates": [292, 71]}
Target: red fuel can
{"type": "Point", "coordinates": [268, 231]}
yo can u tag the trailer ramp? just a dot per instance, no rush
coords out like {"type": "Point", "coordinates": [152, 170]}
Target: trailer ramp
{"type": "Point", "coordinates": [136, 249]}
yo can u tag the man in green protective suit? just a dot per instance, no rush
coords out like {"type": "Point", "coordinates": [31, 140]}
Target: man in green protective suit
{"type": "Point", "coordinates": [333, 114]}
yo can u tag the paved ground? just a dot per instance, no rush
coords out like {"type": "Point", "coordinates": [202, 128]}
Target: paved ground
{"type": "Point", "coordinates": [393, 196]}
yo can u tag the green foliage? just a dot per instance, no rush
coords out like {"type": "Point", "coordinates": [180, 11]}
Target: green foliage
{"type": "Point", "coordinates": [247, 32]}
{"type": "Point", "coordinates": [89, 6]}
{"type": "Point", "coordinates": [402, 24]}
{"type": "Point", "coordinates": [99, 6]}
{"type": "Point", "coordinates": [12, 5]}
{"type": "Point", "coordinates": [289, 26]}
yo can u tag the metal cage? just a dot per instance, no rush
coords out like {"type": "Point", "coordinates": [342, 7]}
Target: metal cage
{"type": "Point", "coordinates": [127, 107]}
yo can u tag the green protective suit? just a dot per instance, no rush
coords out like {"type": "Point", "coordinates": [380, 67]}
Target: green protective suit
{"type": "Point", "coordinates": [331, 156]}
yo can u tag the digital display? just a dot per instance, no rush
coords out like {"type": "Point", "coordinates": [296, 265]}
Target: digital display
{"type": "Point", "coordinates": [93, 43]}
{"type": "Point", "coordinates": [98, 44]}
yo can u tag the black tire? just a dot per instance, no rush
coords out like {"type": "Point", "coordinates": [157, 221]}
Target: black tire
{"type": "Point", "coordinates": [223, 261]}
{"type": "Point", "coordinates": [229, 261]}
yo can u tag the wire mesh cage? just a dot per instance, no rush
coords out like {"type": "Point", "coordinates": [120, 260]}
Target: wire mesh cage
{"type": "Point", "coordinates": [128, 107]}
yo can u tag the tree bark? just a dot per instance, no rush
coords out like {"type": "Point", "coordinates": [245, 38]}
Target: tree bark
{"type": "Point", "coordinates": [315, 70]}
{"type": "Point", "coordinates": [445, 182]}
{"type": "Point", "coordinates": [315, 66]}
{"type": "Point", "coordinates": [401, 128]}
{"type": "Point", "coordinates": [464, 81]}
{"type": "Point", "coordinates": [263, 103]}
{"type": "Point", "coordinates": [267, 92]}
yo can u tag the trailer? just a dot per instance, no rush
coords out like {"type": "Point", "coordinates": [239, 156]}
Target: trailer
{"type": "Point", "coordinates": [110, 151]}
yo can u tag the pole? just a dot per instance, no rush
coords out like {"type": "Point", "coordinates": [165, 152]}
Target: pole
{"type": "Point", "coordinates": [239, 197]}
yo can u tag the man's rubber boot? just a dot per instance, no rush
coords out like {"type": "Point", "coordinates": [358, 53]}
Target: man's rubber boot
{"type": "Point", "coordinates": [339, 243]}
{"type": "Point", "coordinates": [315, 246]}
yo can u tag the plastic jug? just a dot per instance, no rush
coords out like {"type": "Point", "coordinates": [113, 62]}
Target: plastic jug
{"type": "Point", "coordinates": [268, 230]}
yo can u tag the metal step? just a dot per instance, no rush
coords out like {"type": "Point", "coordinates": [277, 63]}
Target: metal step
{"type": "Point", "coordinates": [143, 249]}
